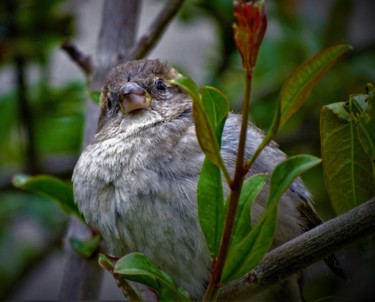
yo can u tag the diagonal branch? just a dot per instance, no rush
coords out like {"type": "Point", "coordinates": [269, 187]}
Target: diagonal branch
{"type": "Point", "coordinates": [157, 28]}
{"type": "Point", "coordinates": [299, 253]}
{"type": "Point", "coordinates": [83, 60]}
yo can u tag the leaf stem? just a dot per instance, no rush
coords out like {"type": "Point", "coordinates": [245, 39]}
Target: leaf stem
{"type": "Point", "coordinates": [235, 186]}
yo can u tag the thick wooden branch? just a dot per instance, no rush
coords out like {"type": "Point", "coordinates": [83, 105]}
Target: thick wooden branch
{"type": "Point", "coordinates": [157, 28]}
{"type": "Point", "coordinates": [310, 247]}
{"type": "Point", "coordinates": [117, 34]}
{"type": "Point", "coordinates": [116, 37]}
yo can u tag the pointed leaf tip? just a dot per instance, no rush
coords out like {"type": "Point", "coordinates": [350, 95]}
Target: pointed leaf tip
{"type": "Point", "coordinates": [305, 77]}
{"type": "Point", "coordinates": [51, 188]}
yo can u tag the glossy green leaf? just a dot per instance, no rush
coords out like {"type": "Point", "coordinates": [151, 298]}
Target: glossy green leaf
{"type": "Point", "coordinates": [86, 248]}
{"type": "Point", "coordinates": [50, 187]}
{"type": "Point", "coordinates": [211, 205]}
{"type": "Point", "coordinates": [245, 255]}
{"type": "Point", "coordinates": [285, 173]}
{"type": "Point", "coordinates": [304, 78]}
{"type": "Point", "coordinates": [347, 168]}
{"type": "Point", "coordinates": [204, 127]}
{"type": "Point", "coordinates": [210, 190]}
{"type": "Point", "coordinates": [139, 268]}
{"type": "Point", "coordinates": [187, 85]}
{"type": "Point", "coordinates": [216, 107]}
{"type": "Point", "coordinates": [250, 190]}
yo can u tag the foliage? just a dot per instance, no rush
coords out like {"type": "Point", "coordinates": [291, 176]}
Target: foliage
{"type": "Point", "coordinates": [86, 248]}
{"type": "Point", "coordinates": [29, 32]}
{"type": "Point", "coordinates": [51, 188]}
{"type": "Point", "coordinates": [58, 111]}
{"type": "Point", "coordinates": [245, 255]}
{"type": "Point", "coordinates": [31, 28]}
{"type": "Point", "coordinates": [138, 267]}
{"type": "Point", "coordinates": [18, 250]}
{"type": "Point", "coordinates": [58, 114]}
{"type": "Point", "coordinates": [256, 242]}
{"type": "Point", "coordinates": [348, 150]}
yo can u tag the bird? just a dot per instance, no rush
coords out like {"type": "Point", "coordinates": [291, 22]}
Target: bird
{"type": "Point", "coordinates": [136, 182]}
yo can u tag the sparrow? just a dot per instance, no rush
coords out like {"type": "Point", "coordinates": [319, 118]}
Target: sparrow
{"type": "Point", "coordinates": [136, 182]}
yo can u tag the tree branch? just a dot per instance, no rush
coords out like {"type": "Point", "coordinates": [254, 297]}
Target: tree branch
{"type": "Point", "coordinates": [299, 253]}
{"type": "Point", "coordinates": [82, 276]}
{"type": "Point", "coordinates": [157, 28]}
{"type": "Point", "coordinates": [117, 34]}
{"type": "Point", "coordinates": [116, 37]}
{"type": "Point", "coordinates": [25, 116]}
{"type": "Point", "coordinates": [83, 60]}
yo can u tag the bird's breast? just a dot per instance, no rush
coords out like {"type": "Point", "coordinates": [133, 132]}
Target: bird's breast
{"type": "Point", "coordinates": [140, 192]}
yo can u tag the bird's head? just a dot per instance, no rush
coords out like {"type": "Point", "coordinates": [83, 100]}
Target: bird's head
{"type": "Point", "coordinates": [141, 89]}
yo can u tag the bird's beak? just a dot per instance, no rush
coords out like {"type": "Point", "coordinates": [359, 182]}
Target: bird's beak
{"type": "Point", "coordinates": [133, 97]}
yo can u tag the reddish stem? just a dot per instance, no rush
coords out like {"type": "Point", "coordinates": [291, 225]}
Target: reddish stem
{"type": "Point", "coordinates": [236, 186]}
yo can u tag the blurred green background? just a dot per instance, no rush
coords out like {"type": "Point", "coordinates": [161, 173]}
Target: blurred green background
{"type": "Point", "coordinates": [42, 95]}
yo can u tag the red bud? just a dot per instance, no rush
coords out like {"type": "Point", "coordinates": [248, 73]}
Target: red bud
{"type": "Point", "coordinates": [249, 29]}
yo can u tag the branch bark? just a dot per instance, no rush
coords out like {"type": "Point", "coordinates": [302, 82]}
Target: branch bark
{"type": "Point", "coordinates": [116, 37]}
{"type": "Point", "coordinates": [157, 28]}
{"type": "Point", "coordinates": [299, 253]}
{"type": "Point", "coordinates": [83, 60]}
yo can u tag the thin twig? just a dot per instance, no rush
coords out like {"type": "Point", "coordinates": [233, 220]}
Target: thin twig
{"type": "Point", "coordinates": [83, 60]}
{"type": "Point", "coordinates": [157, 28]}
{"type": "Point", "coordinates": [299, 253]}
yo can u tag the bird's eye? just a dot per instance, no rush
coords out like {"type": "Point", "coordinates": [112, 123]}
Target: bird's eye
{"type": "Point", "coordinates": [161, 86]}
{"type": "Point", "coordinates": [109, 103]}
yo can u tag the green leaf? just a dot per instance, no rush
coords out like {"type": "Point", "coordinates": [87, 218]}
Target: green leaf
{"type": "Point", "coordinates": [250, 190]}
{"type": "Point", "coordinates": [285, 173]}
{"type": "Point", "coordinates": [210, 190]}
{"type": "Point", "coordinates": [188, 85]}
{"type": "Point", "coordinates": [106, 262]}
{"type": "Point", "coordinates": [245, 255]}
{"type": "Point", "coordinates": [216, 107]}
{"type": "Point", "coordinates": [211, 205]}
{"type": "Point", "coordinates": [206, 133]}
{"type": "Point", "coordinates": [304, 78]}
{"type": "Point", "coordinates": [85, 248]}
{"type": "Point", "coordinates": [95, 96]}
{"type": "Point", "coordinates": [50, 187]}
{"type": "Point", "coordinates": [139, 268]}
{"type": "Point", "coordinates": [348, 170]}
{"type": "Point", "coordinates": [366, 120]}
